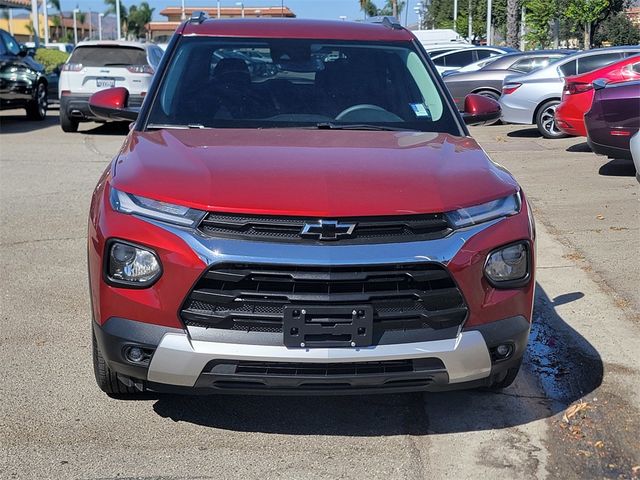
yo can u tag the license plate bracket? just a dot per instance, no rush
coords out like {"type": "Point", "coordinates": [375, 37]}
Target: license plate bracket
{"type": "Point", "coordinates": [105, 82]}
{"type": "Point", "coordinates": [328, 326]}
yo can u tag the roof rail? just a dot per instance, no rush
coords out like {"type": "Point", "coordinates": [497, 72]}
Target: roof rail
{"type": "Point", "coordinates": [198, 16]}
{"type": "Point", "coordinates": [387, 21]}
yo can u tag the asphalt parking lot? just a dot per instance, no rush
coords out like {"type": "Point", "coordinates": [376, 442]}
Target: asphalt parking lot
{"type": "Point", "coordinates": [573, 412]}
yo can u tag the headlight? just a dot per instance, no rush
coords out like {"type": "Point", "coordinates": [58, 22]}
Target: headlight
{"type": "Point", "coordinates": [131, 265]}
{"type": "Point", "coordinates": [503, 207]}
{"type": "Point", "coordinates": [166, 212]}
{"type": "Point", "coordinates": [508, 266]}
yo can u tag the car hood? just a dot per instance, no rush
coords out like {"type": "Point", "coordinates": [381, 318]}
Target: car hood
{"type": "Point", "coordinates": [329, 173]}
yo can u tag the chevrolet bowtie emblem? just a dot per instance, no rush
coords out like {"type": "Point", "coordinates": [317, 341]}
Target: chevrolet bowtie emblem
{"type": "Point", "coordinates": [328, 230]}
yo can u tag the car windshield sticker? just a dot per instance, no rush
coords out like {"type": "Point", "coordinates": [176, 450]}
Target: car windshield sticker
{"type": "Point", "coordinates": [420, 109]}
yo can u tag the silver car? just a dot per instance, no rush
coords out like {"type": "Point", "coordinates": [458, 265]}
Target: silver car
{"type": "Point", "coordinates": [533, 98]}
{"type": "Point", "coordinates": [634, 144]}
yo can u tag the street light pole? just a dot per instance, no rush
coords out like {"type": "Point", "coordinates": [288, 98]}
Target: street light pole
{"type": "Point", "coordinates": [46, 23]}
{"type": "Point", "coordinates": [118, 21]}
{"type": "Point", "coordinates": [36, 22]}
{"type": "Point", "coordinates": [455, 15]}
{"type": "Point", "coordinates": [489, 32]}
{"type": "Point", "coordinates": [75, 26]}
{"type": "Point", "coordinates": [470, 22]}
{"type": "Point", "coordinates": [90, 25]}
{"type": "Point", "coordinates": [183, 16]}
{"type": "Point", "coordinates": [241, 5]}
{"type": "Point", "coordinates": [100, 25]}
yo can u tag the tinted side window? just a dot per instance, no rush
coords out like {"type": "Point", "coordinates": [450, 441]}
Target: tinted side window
{"type": "Point", "coordinates": [10, 43]}
{"type": "Point", "coordinates": [485, 54]}
{"type": "Point", "coordinates": [592, 62]}
{"type": "Point", "coordinates": [569, 68]}
{"type": "Point", "coordinates": [524, 65]}
{"type": "Point", "coordinates": [459, 59]}
{"type": "Point", "coordinates": [636, 67]}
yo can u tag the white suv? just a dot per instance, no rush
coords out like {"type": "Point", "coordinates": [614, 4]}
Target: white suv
{"type": "Point", "coordinates": [96, 65]}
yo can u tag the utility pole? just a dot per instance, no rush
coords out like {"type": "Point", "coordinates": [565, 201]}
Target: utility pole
{"type": "Point", "coordinates": [100, 15]}
{"type": "Point", "coordinates": [219, 10]}
{"type": "Point", "coordinates": [10, 21]}
{"type": "Point", "coordinates": [90, 25]}
{"type": "Point", "coordinates": [118, 21]}
{"type": "Point", "coordinates": [455, 15]}
{"type": "Point", "coordinates": [489, 32]}
{"type": "Point", "coordinates": [183, 15]}
{"type": "Point", "coordinates": [523, 41]}
{"type": "Point", "coordinates": [75, 26]}
{"type": "Point", "coordinates": [470, 22]}
{"type": "Point", "coordinates": [46, 22]}
{"type": "Point", "coordinates": [36, 22]}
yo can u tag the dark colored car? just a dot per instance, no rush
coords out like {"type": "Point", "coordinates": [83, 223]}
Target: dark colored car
{"type": "Point", "coordinates": [333, 229]}
{"type": "Point", "coordinates": [614, 118]}
{"type": "Point", "coordinates": [22, 80]}
{"type": "Point", "coordinates": [488, 80]}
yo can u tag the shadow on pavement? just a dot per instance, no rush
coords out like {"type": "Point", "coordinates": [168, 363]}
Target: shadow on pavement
{"type": "Point", "coordinates": [582, 147]}
{"type": "Point", "coordinates": [19, 123]}
{"type": "Point", "coordinates": [109, 128]}
{"type": "Point", "coordinates": [525, 133]}
{"type": "Point", "coordinates": [559, 368]}
{"type": "Point", "coordinates": [618, 168]}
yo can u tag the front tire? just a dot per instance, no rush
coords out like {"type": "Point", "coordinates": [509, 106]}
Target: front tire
{"type": "Point", "coordinates": [67, 124]}
{"type": "Point", "coordinates": [106, 378]}
{"type": "Point", "coordinates": [37, 107]}
{"type": "Point", "coordinates": [546, 122]}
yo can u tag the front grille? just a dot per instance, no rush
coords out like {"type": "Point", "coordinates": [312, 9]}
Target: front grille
{"type": "Point", "coordinates": [317, 369]}
{"type": "Point", "coordinates": [252, 298]}
{"type": "Point", "coordinates": [405, 228]}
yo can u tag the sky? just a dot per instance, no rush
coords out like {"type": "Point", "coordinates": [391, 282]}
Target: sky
{"type": "Point", "coordinates": [322, 9]}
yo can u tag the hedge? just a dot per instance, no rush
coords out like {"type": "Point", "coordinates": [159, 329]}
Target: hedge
{"type": "Point", "coordinates": [50, 59]}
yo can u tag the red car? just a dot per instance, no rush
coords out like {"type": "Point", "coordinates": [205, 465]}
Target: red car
{"type": "Point", "coordinates": [328, 228]}
{"type": "Point", "coordinates": [578, 93]}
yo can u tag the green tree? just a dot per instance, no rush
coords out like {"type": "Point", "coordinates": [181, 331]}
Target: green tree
{"type": "Point", "coordinates": [586, 12]}
{"type": "Point", "coordinates": [616, 29]}
{"type": "Point", "coordinates": [538, 18]}
{"type": "Point", "coordinates": [138, 17]}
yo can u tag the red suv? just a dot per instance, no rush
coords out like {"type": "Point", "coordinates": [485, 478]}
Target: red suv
{"type": "Point", "coordinates": [327, 226]}
{"type": "Point", "coordinates": [578, 93]}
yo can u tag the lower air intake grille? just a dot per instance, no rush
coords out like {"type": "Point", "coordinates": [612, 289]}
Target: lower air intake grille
{"type": "Point", "coordinates": [253, 297]}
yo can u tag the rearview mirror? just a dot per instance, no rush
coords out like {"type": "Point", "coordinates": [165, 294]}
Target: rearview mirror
{"type": "Point", "coordinates": [113, 103]}
{"type": "Point", "coordinates": [479, 109]}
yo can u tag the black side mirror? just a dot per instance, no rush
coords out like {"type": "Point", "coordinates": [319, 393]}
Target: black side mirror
{"type": "Point", "coordinates": [600, 83]}
{"type": "Point", "coordinates": [24, 51]}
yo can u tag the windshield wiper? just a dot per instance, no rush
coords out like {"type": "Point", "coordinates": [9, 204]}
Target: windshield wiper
{"type": "Point", "coordinates": [361, 126]}
{"type": "Point", "coordinates": [175, 126]}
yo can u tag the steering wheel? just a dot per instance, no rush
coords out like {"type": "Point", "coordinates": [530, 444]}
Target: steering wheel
{"type": "Point", "coordinates": [365, 113]}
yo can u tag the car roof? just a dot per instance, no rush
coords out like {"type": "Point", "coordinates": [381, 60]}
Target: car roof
{"type": "Point", "coordinates": [296, 28]}
{"type": "Point", "coordinates": [510, 58]}
{"type": "Point", "coordinates": [112, 43]}
{"type": "Point", "coordinates": [493, 49]}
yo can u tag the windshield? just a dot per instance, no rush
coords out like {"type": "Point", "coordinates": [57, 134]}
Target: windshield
{"type": "Point", "coordinates": [231, 83]}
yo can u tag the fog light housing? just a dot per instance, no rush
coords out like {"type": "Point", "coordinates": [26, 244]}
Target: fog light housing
{"type": "Point", "coordinates": [502, 352]}
{"type": "Point", "coordinates": [130, 265]}
{"type": "Point", "coordinates": [137, 355]}
{"type": "Point", "coordinates": [508, 267]}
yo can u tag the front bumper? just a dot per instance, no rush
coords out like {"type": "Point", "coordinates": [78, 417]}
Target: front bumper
{"type": "Point", "coordinates": [77, 106]}
{"type": "Point", "coordinates": [181, 363]}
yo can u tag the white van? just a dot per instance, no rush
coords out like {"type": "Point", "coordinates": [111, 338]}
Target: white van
{"type": "Point", "coordinates": [441, 38]}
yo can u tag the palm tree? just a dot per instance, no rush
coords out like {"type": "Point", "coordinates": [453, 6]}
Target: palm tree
{"type": "Point", "coordinates": [111, 8]}
{"type": "Point", "coordinates": [60, 23]}
{"type": "Point", "coordinates": [369, 8]}
{"type": "Point", "coordinates": [512, 23]}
